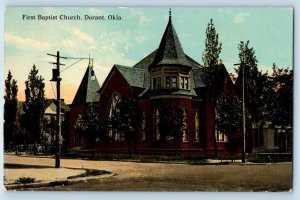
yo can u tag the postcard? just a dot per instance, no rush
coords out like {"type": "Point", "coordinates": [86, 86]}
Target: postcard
{"type": "Point", "coordinates": [148, 99]}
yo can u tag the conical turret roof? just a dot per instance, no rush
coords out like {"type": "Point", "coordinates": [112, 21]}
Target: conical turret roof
{"type": "Point", "coordinates": [170, 50]}
{"type": "Point", "coordinates": [88, 89]}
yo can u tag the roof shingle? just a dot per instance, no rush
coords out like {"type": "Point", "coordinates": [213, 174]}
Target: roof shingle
{"type": "Point", "coordinates": [88, 89]}
{"type": "Point", "coordinates": [170, 50]}
{"type": "Point", "coordinates": [133, 76]}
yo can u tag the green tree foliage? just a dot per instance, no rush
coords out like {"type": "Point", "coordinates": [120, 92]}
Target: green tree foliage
{"type": "Point", "coordinates": [229, 120]}
{"type": "Point", "coordinates": [170, 123]}
{"type": "Point", "coordinates": [90, 125]}
{"type": "Point", "coordinates": [281, 101]}
{"type": "Point", "coordinates": [11, 121]}
{"type": "Point", "coordinates": [268, 99]}
{"type": "Point", "coordinates": [255, 86]}
{"type": "Point", "coordinates": [212, 62]}
{"type": "Point", "coordinates": [213, 48]}
{"type": "Point", "coordinates": [34, 108]}
{"type": "Point", "coordinates": [127, 118]}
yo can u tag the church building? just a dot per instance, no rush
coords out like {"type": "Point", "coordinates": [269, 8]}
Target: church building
{"type": "Point", "coordinates": [165, 79]}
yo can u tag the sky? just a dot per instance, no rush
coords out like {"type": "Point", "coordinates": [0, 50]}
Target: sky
{"type": "Point", "coordinates": [127, 41]}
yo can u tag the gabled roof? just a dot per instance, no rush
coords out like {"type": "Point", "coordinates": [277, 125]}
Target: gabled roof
{"type": "Point", "coordinates": [133, 76]}
{"type": "Point", "coordinates": [64, 107]}
{"type": "Point", "coordinates": [88, 89]}
{"type": "Point", "coordinates": [170, 50]}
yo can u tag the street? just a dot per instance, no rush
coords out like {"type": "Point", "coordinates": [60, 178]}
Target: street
{"type": "Point", "coordinates": [136, 176]}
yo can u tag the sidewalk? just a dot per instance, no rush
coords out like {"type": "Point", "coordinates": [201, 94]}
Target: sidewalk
{"type": "Point", "coordinates": [42, 171]}
{"type": "Point", "coordinates": [40, 174]}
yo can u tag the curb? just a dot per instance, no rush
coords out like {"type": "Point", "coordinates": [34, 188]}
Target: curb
{"type": "Point", "coordinates": [62, 182]}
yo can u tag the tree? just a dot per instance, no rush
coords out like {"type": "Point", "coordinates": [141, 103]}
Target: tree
{"type": "Point", "coordinates": [126, 118]}
{"type": "Point", "coordinates": [280, 101]}
{"type": "Point", "coordinates": [229, 120]}
{"type": "Point", "coordinates": [282, 85]}
{"type": "Point", "coordinates": [11, 121]}
{"type": "Point", "coordinates": [171, 124]}
{"type": "Point", "coordinates": [212, 64]}
{"type": "Point", "coordinates": [34, 108]}
{"type": "Point", "coordinates": [90, 125]}
{"type": "Point", "coordinates": [213, 48]}
{"type": "Point", "coordinates": [255, 88]}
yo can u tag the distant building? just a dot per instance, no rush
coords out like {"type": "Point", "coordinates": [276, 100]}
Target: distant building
{"type": "Point", "coordinates": [166, 78]}
{"type": "Point", "coordinates": [50, 110]}
{"type": "Point", "coordinates": [267, 139]}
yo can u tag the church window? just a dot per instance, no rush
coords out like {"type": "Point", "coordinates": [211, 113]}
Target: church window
{"type": "Point", "coordinates": [113, 103]}
{"type": "Point", "coordinates": [197, 127]}
{"type": "Point", "coordinates": [184, 82]}
{"type": "Point", "coordinates": [173, 82]}
{"type": "Point", "coordinates": [113, 133]}
{"type": "Point", "coordinates": [143, 127]}
{"type": "Point", "coordinates": [78, 137]}
{"type": "Point", "coordinates": [156, 83]}
{"type": "Point", "coordinates": [184, 128]}
{"type": "Point", "coordinates": [220, 136]}
{"type": "Point", "coordinates": [168, 81]}
{"type": "Point", "coordinates": [156, 122]}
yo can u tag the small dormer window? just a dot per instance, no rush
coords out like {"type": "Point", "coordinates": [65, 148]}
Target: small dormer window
{"type": "Point", "coordinates": [167, 81]}
{"type": "Point", "coordinates": [156, 83]}
{"type": "Point", "coordinates": [173, 82]}
{"type": "Point", "coordinates": [184, 82]}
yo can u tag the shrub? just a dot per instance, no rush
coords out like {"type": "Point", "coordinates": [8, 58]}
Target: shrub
{"type": "Point", "coordinates": [90, 172]}
{"type": "Point", "coordinates": [24, 180]}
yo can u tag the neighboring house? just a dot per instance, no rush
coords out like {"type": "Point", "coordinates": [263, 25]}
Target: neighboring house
{"type": "Point", "coordinates": [268, 139]}
{"type": "Point", "coordinates": [166, 78]}
{"type": "Point", "coordinates": [50, 110]}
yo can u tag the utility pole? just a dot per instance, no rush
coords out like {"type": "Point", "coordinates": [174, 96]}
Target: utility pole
{"type": "Point", "coordinates": [244, 118]}
{"type": "Point", "coordinates": [57, 79]}
{"type": "Point", "coordinates": [242, 64]}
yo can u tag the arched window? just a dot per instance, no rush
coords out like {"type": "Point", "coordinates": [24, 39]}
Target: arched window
{"type": "Point", "coordinates": [197, 127]}
{"type": "Point", "coordinates": [220, 136]}
{"type": "Point", "coordinates": [184, 128]}
{"type": "Point", "coordinates": [143, 127]}
{"type": "Point", "coordinates": [117, 136]}
{"type": "Point", "coordinates": [156, 121]}
{"type": "Point", "coordinates": [113, 102]}
{"type": "Point", "coordinates": [77, 136]}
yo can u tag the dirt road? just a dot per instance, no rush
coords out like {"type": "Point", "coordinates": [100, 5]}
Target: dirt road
{"type": "Point", "coordinates": [134, 176]}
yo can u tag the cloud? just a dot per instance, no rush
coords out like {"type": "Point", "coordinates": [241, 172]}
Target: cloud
{"type": "Point", "coordinates": [26, 42]}
{"type": "Point", "coordinates": [139, 15]}
{"type": "Point", "coordinates": [69, 43]}
{"type": "Point", "coordinates": [240, 18]}
{"type": "Point", "coordinates": [96, 12]}
{"type": "Point", "coordinates": [83, 36]}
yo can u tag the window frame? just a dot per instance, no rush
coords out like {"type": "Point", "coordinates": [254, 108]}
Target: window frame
{"type": "Point", "coordinates": [197, 127]}
{"type": "Point", "coordinates": [185, 120]}
{"type": "Point", "coordinates": [156, 121]}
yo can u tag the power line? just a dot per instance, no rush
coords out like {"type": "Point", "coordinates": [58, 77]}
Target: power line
{"type": "Point", "coordinates": [67, 57]}
{"type": "Point", "coordinates": [53, 90]}
{"type": "Point", "coordinates": [72, 64]}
